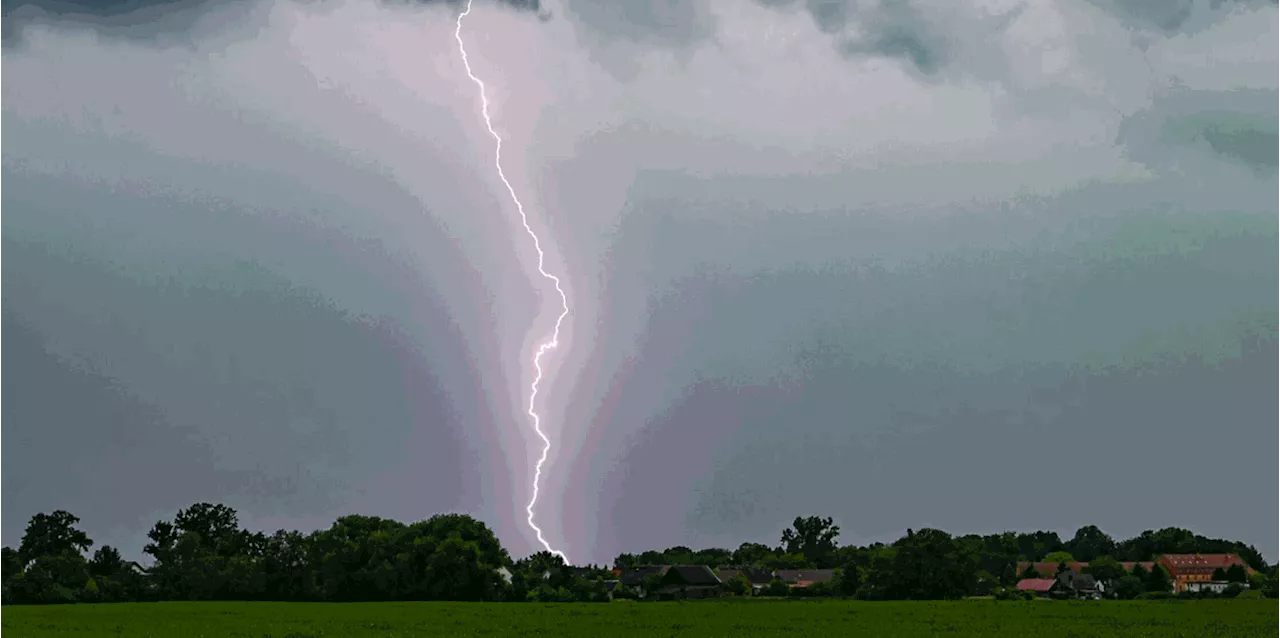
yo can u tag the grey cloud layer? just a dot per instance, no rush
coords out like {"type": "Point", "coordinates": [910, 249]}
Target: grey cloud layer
{"type": "Point", "coordinates": [1010, 208]}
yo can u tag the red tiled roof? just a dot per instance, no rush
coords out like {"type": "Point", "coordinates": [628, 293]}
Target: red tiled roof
{"type": "Point", "coordinates": [806, 575]}
{"type": "Point", "coordinates": [1035, 584]}
{"type": "Point", "coordinates": [1045, 568]}
{"type": "Point", "coordinates": [1200, 562]}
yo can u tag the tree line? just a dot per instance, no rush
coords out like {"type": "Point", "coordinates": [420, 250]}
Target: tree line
{"type": "Point", "coordinates": [204, 554]}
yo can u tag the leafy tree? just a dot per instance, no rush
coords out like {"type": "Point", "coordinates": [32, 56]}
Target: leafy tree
{"type": "Point", "coordinates": [651, 584]}
{"type": "Point", "coordinates": [1030, 572]}
{"type": "Point", "coordinates": [625, 561]}
{"type": "Point", "coordinates": [1219, 574]}
{"type": "Point", "coordinates": [712, 557]}
{"type": "Point", "coordinates": [1036, 545]}
{"type": "Point", "coordinates": [1270, 590]}
{"type": "Point", "coordinates": [12, 564]}
{"type": "Point", "coordinates": [846, 579]}
{"type": "Point", "coordinates": [1236, 574]}
{"type": "Point", "coordinates": [1257, 580]}
{"type": "Point", "coordinates": [750, 554]}
{"type": "Point", "coordinates": [1089, 543]}
{"type": "Point", "coordinates": [1158, 580]}
{"type": "Point", "coordinates": [1106, 569]}
{"type": "Point", "coordinates": [1129, 587]}
{"type": "Point", "coordinates": [785, 561]}
{"type": "Point", "coordinates": [927, 565]}
{"type": "Point", "coordinates": [651, 558]}
{"type": "Point", "coordinates": [1140, 572]}
{"type": "Point", "coordinates": [106, 562]}
{"type": "Point", "coordinates": [1059, 557]}
{"type": "Point", "coordinates": [776, 587]}
{"type": "Point", "coordinates": [1062, 567]}
{"type": "Point", "coordinates": [456, 571]}
{"type": "Point", "coordinates": [1009, 575]}
{"type": "Point", "coordinates": [286, 567]}
{"type": "Point", "coordinates": [53, 535]}
{"type": "Point", "coordinates": [738, 585]}
{"type": "Point", "coordinates": [813, 537]}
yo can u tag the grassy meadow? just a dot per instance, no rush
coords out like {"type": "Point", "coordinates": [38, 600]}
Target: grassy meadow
{"type": "Point", "coordinates": [739, 619]}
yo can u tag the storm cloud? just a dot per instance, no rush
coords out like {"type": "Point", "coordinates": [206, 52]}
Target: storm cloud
{"type": "Point", "coordinates": [846, 257]}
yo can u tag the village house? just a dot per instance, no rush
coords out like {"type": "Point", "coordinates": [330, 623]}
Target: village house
{"type": "Point", "coordinates": [806, 577]}
{"type": "Point", "coordinates": [1076, 585]}
{"type": "Point", "coordinates": [1192, 572]}
{"type": "Point", "coordinates": [635, 577]}
{"type": "Point", "coordinates": [1038, 586]}
{"type": "Point", "coordinates": [1068, 584]}
{"type": "Point", "coordinates": [688, 581]}
{"type": "Point", "coordinates": [757, 577]}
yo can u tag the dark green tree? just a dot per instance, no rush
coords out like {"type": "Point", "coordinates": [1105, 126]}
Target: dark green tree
{"type": "Point", "coordinates": [1106, 569]}
{"type": "Point", "coordinates": [53, 535]}
{"type": "Point", "coordinates": [1129, 587]}
{"type": "Point", "coordinates": [738, 585]}
{"type": "Point", "coordinates": [1009, 575]}
{"type": "Point", "coordinates": [1158, 580]}
{"type": "Point", "coordinates": [1089, 543]}
{"type": "Point", "coordinates": [846, 582]}
{"type": "Point", "coordinates": [749, 554]}
{"type": "Point", "coordinates": [106, 562]}
{"type": "Point", "coordinates": [1236, 574]}
{"type": "Point", "coordinates": [813, 537]}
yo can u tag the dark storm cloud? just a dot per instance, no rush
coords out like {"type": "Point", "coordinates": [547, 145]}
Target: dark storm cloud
{"type": "Point", "coordinates": [896, 29]}
{"type": "Point", "coordinates": [661, 22]}
{"type": "Point", "coordinates": [1239, 126]}
{"type": "Point", "coordinates": [145, 19]}
{"type": "Point", "coordinates": [1173, 16]}
{"type": "Point", "coordinates": [1251, 146]}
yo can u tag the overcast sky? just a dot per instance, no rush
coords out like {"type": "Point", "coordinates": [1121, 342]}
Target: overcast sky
{"type": "Point", "coordinates": [978, 265]}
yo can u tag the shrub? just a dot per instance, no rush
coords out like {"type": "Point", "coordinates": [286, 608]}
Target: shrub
{"type": "Point", "coordinates": [776, 587]}
{"type": "Point", "coordinates": [1012, 593]}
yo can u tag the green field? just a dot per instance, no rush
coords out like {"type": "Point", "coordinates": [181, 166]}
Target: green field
{"type": "Point", "coordinates": [740, 619]}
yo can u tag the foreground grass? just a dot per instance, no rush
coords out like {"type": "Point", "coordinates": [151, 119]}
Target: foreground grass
{"type": "Point", "coordinates": [739, 619]}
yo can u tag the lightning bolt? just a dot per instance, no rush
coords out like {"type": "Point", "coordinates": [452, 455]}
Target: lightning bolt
{"type": "Point", "coordinates": [545, 346]}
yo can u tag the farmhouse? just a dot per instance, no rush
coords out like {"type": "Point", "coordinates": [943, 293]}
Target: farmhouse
{"type": "Point", "coordinates": [1037, 586]}
{"type": "Point", "coordinates": [688, 581]}
{"type": "Point", "coordinates": [1188, 570]}
{"type": "Point", "coordinates": [806, 577]}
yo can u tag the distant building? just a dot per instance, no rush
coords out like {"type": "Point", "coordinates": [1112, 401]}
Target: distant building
{"type": "Point", "coordinates": [1215, 586]}
{"type": "Point", "coordinates": [1186, 569]}
{"type": "Point", "coordinates": [635, 577]}
{"type": "Point", "coordinates": [1075, 585]}
{"type": "Point", "coordinates": [1037, 586]}
{"type": "Point", "coordinates": [758, 577]}
{"type": "Point", "coordinates": [806, 577]}
{"type": "Point", "coordinates": [688, 581]}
